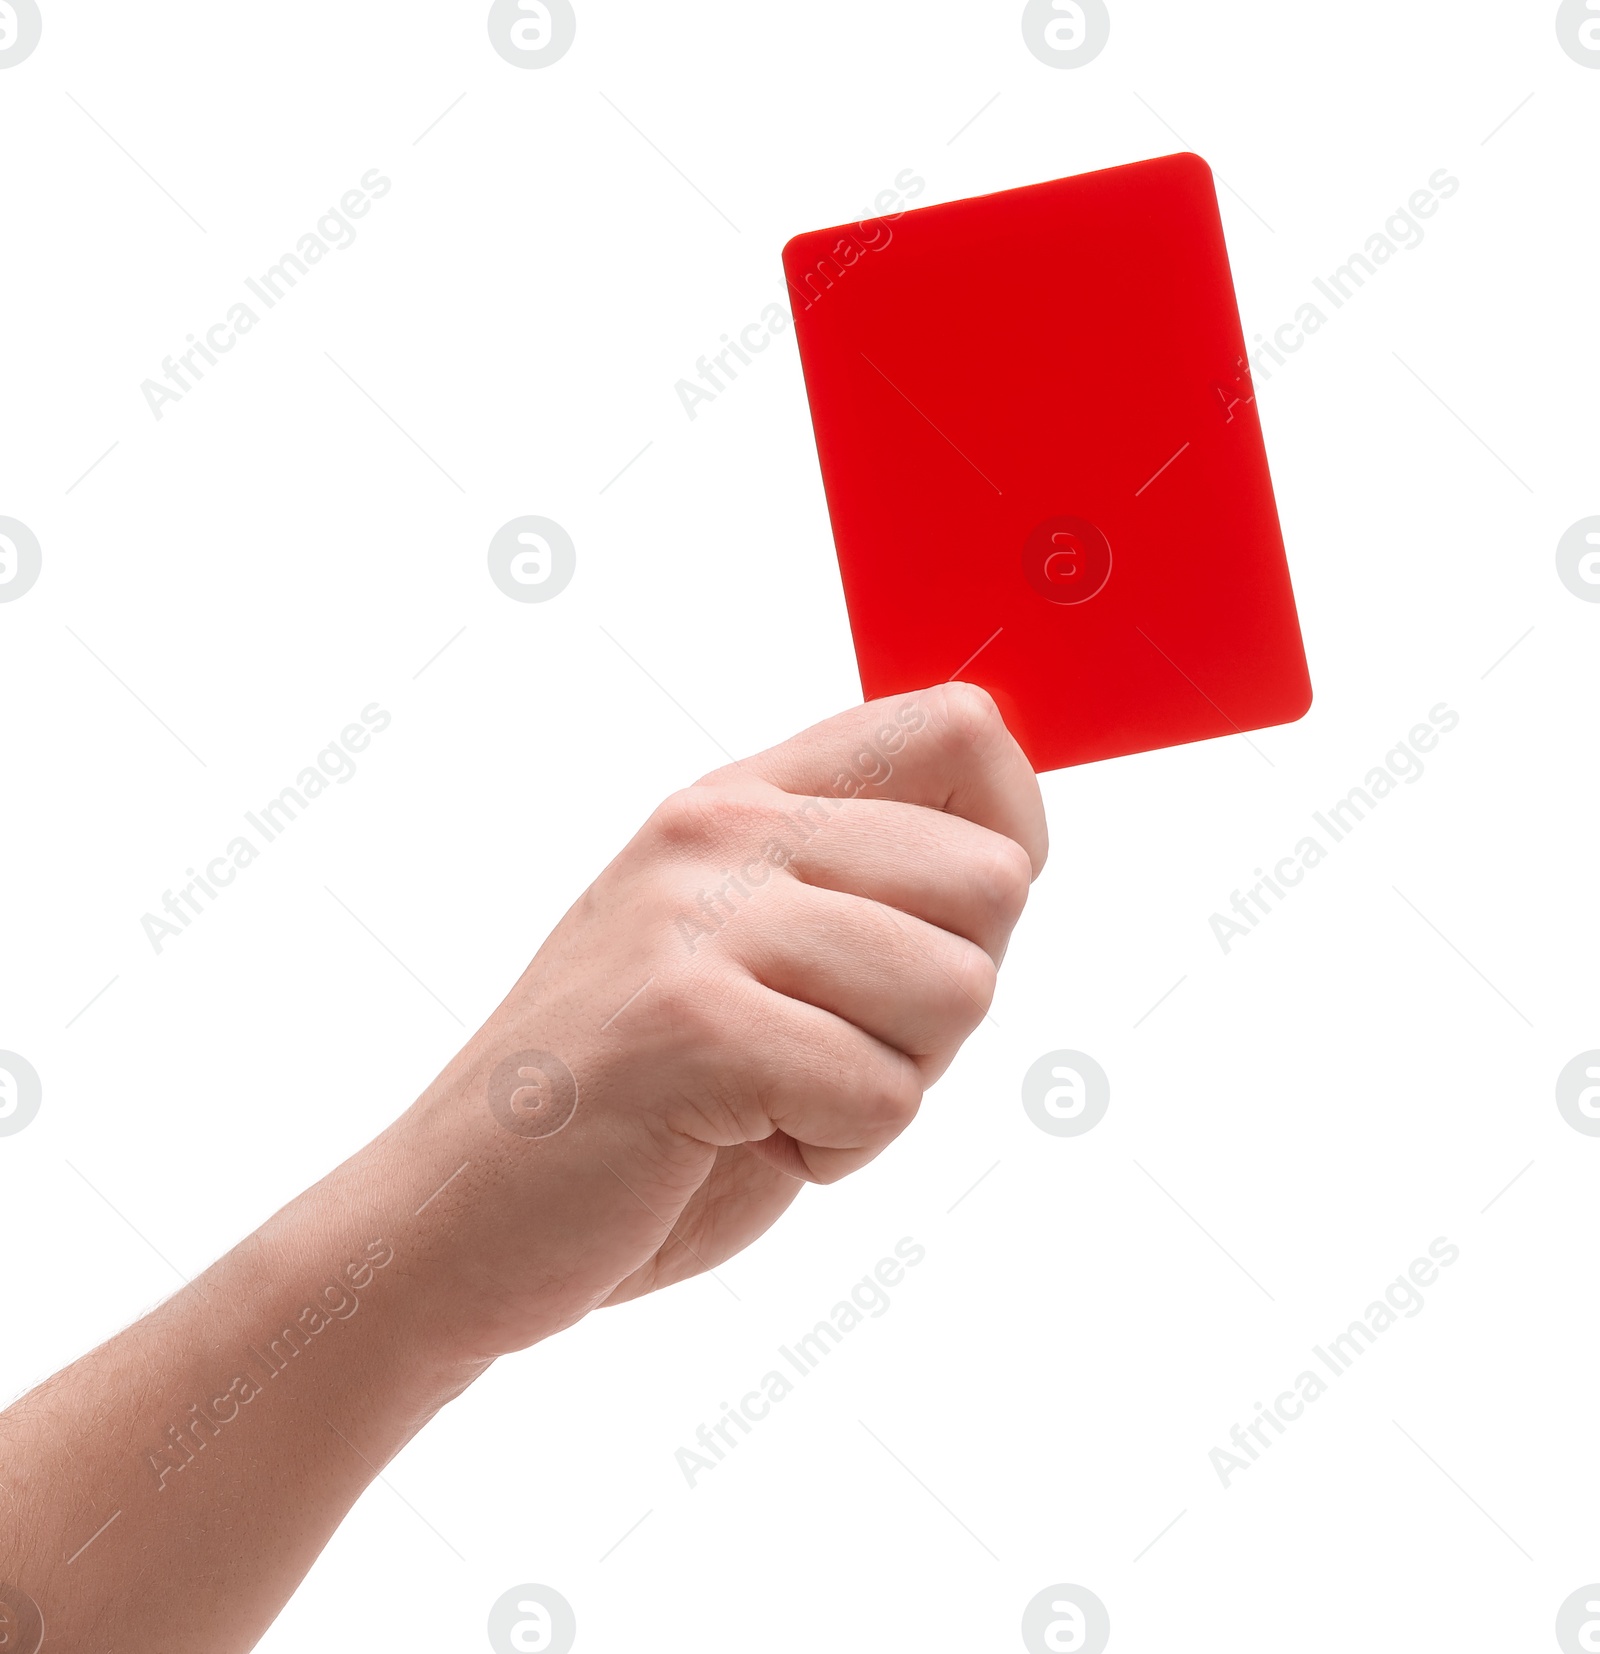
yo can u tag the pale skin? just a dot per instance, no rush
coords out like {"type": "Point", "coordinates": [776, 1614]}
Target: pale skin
{"type": "Point", "coordinates": [785, 1033]}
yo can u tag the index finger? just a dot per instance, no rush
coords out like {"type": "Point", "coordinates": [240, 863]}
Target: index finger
{"type": "Point", "coordinates": [946, 748]}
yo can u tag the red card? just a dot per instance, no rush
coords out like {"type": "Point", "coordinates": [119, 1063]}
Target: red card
{"type": "Point", "coordinates": [1043, 461]}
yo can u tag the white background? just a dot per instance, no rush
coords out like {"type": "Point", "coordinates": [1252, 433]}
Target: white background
{"type": "Point", "coordinates": [275, 553]}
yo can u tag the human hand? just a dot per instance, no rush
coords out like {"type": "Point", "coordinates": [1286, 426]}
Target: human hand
{"type": "Point", "coordinates": [753, 995]}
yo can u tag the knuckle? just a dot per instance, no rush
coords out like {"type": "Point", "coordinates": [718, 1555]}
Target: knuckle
{"type": "Point", "coordinates": [1007, 877]}
{"type": "Point", "coordinates": [894, 1098]}
{"type": "Point", "coordinates": [702, 818]}
{"type": "Point", "coordinates": [971, 718]}
{"type": "Point", "coordinates": [680, 820]}
{"type": "Point", "coordinates": [974, 977]}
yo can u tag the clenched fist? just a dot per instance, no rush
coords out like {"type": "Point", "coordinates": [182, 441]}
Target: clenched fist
{"type": "Point", "coordinates": [753, 995]}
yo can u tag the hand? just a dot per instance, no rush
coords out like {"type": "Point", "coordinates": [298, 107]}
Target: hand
{"type": "Point", "coordinates": [753, 995]}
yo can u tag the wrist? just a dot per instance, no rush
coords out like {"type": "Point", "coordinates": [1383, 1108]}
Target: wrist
{"type": "Point", "coordinates": [360, 1261]}
{"type": "Point", "coordinates": [517, 1234]}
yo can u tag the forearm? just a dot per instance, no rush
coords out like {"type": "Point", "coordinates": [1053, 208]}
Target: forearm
{"type": "Point", "coordinates": [221, 1440]}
